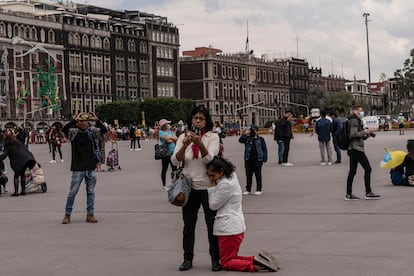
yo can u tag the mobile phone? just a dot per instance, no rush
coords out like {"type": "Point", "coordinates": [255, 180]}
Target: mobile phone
{"type": "Point", "coordinates": [196, 130]}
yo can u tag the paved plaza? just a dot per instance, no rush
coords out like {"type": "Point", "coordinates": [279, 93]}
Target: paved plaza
{"type": "Point", "coordinates": [301, 218]}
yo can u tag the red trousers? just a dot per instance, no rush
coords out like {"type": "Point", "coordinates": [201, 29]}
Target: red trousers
{"type": "Point", "coordinates": [229, 247]}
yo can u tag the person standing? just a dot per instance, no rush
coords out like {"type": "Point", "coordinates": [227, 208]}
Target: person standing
{"type": "Point", "coordinates": [167, 137]}
{"type": "Point", "coordinates": [56, 138]}
{"type": "Point", "coordinates": [85, 156]}
{"type": "Point", "coordinates": [225, 196]}
{"type": "Point", "coordinates": [401, 123]}
{"type": "Point", "coordinates": [285, 135]}
{"type": "Point", "coordinates": [323, 130]}
{"type": "Point", "coordinates": [336, 127]}
{"type": "Point", "coordinates": [138, 134]}
{"type": "Point", "coordinates": [133, 138]}
{"type": "Point", "coordinates": [255, 154]}
{"type": "Point", "coordinates": [194, 150]}
{"type": "Point", "coordinates": [356, 154]}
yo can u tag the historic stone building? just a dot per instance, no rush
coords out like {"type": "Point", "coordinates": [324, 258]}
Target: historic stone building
{"type": "Point", "coordinates": [97, 56]}
{"type": "Point", "coordinates": [236, 87]}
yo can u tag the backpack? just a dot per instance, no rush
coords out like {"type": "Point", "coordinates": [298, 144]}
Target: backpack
{"type": "Point", "coordinates": [342, 136]}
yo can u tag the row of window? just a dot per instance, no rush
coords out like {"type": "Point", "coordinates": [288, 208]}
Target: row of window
{"type": "Point", "coordinates": [89, 63]}
{"type": "Point", "coordinates": [93, 42]}
{"type": "Point", "coordinates": [26, 32]}
{"type": "Point", "coordinates": [271, 76]}
{"type": "Point", "coordinates": [166, 90]}
{"type": "Point", "coordinates": [164, 52]}
{"type": "Point", "coordinates": [165, 69]}
{"type": "Point", "coordinates": [90, 84]}
{"type": "Point", "coordinates": [163, 37]}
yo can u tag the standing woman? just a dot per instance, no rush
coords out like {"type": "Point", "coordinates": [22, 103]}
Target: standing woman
{"type": "Point", "coordinates": [196, 149]}
{"type": "Point", "coordinates": [167, 137]}
{"type": "Point", "coordinates": [20, 160]}
{"type": "Point", "coordinates": [56, 138]}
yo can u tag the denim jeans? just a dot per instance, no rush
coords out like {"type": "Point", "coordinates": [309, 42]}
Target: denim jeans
{"type": "Point", "coordinates": [281, 150]}
{"type": "Point", "coordinates": [77, 178]}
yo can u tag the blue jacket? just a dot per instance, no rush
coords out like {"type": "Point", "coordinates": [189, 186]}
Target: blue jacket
{"type": "Point", "coordinates": [323, 129]}
{"type": "Point", "coordinates": [260, 146]}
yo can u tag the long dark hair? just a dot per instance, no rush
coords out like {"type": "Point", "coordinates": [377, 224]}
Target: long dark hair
{"type": "Point", "coordinates": [219, 164]}
{"type": "Point", "coordinates": [201, 109]}
{"type": "Point", "coordinates": [10, 140]}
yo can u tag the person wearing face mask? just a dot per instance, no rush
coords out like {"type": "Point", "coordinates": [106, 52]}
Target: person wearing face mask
{"type": "Point", "coordinates": [255, 154]}
{"type": "Point", "coordinates": [356, 154]}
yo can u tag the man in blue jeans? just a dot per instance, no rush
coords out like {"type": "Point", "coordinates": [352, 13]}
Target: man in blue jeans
{"type": "Point", "coordinates": [85, 156]}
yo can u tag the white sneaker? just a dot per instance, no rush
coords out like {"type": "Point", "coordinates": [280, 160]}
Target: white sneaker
{"type": "Point", "coordinates": [323, 163]}
{"type": "Point", "coordinates": [287, 164]}
{"type": "Point", "coordinates": [329, 163]}
{"type": "Point", "coordinates": [52, 161]}
{"type": "Point", "coordinates": [130, 149]}
{"type": "Point", "coordinates": [139, 149]}
{"type": "Point", "coordinates": [246, 193]}
{"type": "Point", "coordinates": [257, 193]}
{"type": "Point", "coordinates": [165, 188]}
{"type": "Point", "coordinates": [61, 161]}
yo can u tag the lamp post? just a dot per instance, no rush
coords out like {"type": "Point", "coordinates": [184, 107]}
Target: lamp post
{"type": "Point", "coordinates": [369, 66]}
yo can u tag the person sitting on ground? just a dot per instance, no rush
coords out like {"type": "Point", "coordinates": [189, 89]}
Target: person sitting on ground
{"type": "Point", "coordinates": [225, 196]}
{"type": "Point", "coordinates": [407, 165]}
{"type": "Point", "coordinates": [35, 182]}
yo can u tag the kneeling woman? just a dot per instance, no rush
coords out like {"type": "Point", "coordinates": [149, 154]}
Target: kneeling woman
{"type": "Point", "coordinates": [225, 196]}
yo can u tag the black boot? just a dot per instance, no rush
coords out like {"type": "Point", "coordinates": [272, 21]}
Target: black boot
{"type": "Point", "coordinates": [16, 187]}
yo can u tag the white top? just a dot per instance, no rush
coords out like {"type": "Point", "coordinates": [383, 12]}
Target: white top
{"type": "Point", "coordinates": [226, 198]}
{"type": "Point", "coordinates": [197, 168]}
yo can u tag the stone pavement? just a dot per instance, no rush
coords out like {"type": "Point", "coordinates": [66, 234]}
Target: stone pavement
{"type": "Point", "coordinates": [301, 218]}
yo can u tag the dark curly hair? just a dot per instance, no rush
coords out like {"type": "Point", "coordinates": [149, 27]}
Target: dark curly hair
{"type": "Point", "coordinates": [219, 164]}
{"type": "Point", "coordinates": [201, 109]}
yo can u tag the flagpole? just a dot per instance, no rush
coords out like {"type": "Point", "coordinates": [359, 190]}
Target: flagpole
{"type": "Point", "coordinates": [247, 38]}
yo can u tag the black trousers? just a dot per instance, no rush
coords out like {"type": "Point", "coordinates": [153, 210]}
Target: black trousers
{"type": "Point", "coordinates": [190, 213]}
{"type": "Point", "coordinates": [253, 167]}
{"type": "Point", "coordinates": [356, 157]}
{"type": "Point", "coordinates": [286, 142]}
{"type": "Point", "coordinates": [165, 162]}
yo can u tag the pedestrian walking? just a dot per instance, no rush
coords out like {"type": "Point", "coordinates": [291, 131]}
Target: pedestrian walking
{"type": "Point", "coordinates": [225, 196]}
{"type": "Point", "coordinates": [195, 150]}
{"type": "Point", "coordinates": [255, 154]}
{"type": "Point", "coordinates": [401, 123]}
{"type": "Point", "coordinates": [357, 155]}
{"type": "Point", "coordinates": [323, 130]}
{"type": "Point", "coordinates": [85, 156]}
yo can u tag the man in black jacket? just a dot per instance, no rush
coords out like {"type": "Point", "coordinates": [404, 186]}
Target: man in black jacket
{"type": "Point", "coordinates": [283, 135]}
{"type": "Point", "coordinates": [85, 156]}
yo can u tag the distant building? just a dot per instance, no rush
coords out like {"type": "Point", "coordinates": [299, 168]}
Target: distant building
{"type": "Point", "coordinates": [373, 98]}
{"type": "Point", "coordinates": [235, 87]}
{"type": "Point", "coordinates": [101, 55]}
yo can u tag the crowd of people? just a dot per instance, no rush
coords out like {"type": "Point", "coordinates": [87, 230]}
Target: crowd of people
{"type": "Point", "coordinates": [197, 147]}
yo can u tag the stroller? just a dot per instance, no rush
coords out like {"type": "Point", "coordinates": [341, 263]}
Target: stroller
{"type": "Point", "coordinates": [112, 160]}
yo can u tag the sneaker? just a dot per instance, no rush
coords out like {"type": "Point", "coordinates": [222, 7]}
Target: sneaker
{"type": "Point", "coordinates": [246, 193]}
{"type": "Point", "coordinates": [61, 161]}
{"type": "Point", "coordinates": [165, 188]}
{"type": "Point", "coordinates": [257, 193]}
{"type": "Point", "coordinates": [338, 162]}
{"type": "Point", "coordinates": [329, 163]}
{"type": "Point", "coordinates": [287, 164]}
{"type": "Point", "coordinates": [351, 197]}
{"type": "Point", "coordinates": [323, 164]}
{"type": "Point", "coordinates": [130, 149]}
{"type": "Point", "coordinates": [140, 149]}
{"type": "Point", "coordinates": [52, 161]}
{"type": "Point", "coordinates": [136, 149]}
{"type": "Point", "coordinates": [371, 195]}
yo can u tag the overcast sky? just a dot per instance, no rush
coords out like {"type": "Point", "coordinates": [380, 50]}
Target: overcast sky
{"type": "Point", "coordinates": [330, 34]}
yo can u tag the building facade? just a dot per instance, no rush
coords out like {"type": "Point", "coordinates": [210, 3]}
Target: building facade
{"type": "Point", "coordinates": [92, 55]}
{"type": "Point", "coordinates": [236, 87]}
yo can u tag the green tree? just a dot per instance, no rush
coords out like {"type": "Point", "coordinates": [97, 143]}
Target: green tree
{"type": "Point", "coordinates": [130, 112]}
{"type": "Point", "coordinates": [405, 81]}
{"type": "Point", "coordinates": [341, 102]}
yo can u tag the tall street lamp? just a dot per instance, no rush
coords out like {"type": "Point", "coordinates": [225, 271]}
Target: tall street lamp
{"type": "Point", "coordinates": [369, 66]}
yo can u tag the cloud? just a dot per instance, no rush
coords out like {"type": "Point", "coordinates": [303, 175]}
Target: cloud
{"type": "Point", "coordinates": [328, 33]}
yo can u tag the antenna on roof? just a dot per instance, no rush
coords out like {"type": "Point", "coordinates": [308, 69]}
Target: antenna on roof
{"type": "Point", "coordinates": [247, 38]}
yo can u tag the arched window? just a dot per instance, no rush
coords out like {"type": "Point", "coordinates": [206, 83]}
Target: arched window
{"type": "Point", "coordinates": [2, 29]}
{"type": "Point", "coordinates": [98, 43]}
{"type": "Point", "coordinates": [27, 33]}
{"type": "Point", "coordinates": [106, 44]}
{"type": "Point", "coordinates": [76, 39]}
{"type": "Point", "coordinates": [85, 41]}
{"type": "Point", "coordinates": [34, 34]}
{"type": "Point", "coordinates": [70, 38]}
{"type": "Point", "coordinates": [51, 36]}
